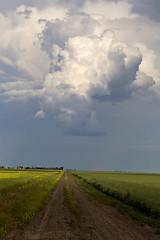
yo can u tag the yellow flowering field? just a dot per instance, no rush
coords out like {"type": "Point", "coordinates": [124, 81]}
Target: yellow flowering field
{"type": "Point", "coordinates": [22, 193]}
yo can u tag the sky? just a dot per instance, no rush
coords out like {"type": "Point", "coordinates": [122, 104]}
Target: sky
{"type": "Point", "coordinates": [80, 84]}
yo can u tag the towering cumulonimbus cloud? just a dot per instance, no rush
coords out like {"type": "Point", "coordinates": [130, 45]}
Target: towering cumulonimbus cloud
{"type": "Point", "coordinates": [86, 68]}
{"type": "Point", "coordinates": [69, 60]}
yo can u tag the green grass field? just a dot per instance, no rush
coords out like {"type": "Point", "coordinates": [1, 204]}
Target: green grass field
{"type": "Point", "coordinates": [139, 190]}
{"type": "Point", "coordinates": [22, 193]}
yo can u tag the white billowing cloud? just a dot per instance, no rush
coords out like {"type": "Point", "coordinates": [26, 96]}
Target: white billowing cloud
{"type": "Point", "coordinates": [69, 59]}
{"type": "Point", "coordinates": [92, 66]}
{"type": "Point", "coordinates": [58, 31]}
{"type": "Point", "coordinates": [86, 69]}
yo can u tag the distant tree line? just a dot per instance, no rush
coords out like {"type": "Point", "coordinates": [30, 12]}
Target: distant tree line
{"type": "Point", "coordinates": [50, 168]}
{"type": "Point", "coordinates": [47, 168]}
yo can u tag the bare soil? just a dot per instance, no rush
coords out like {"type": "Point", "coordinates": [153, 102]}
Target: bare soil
{"type": "Point", "coordinates": [96, 221]}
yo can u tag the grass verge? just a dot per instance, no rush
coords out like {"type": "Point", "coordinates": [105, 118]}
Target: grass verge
{"type": "Point", "coordinates": [77, 222]}
{"type": "Point", "coordinates": [70, 200]}
{"type": "Point", "coordinates": [95, 191]}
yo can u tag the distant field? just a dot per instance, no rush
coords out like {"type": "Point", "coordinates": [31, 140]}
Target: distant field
{"type": "Point", "coordinates": [22, 193]}
{"type": "Point", "coordinates": [137, 189]}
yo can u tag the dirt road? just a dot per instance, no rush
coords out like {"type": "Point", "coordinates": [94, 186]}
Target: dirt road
{"type": "Point", "coordinates": [96, 221]}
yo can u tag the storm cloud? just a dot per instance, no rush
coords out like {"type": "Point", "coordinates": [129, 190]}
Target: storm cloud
{"type": "Point", "coordinates": [69, 56]}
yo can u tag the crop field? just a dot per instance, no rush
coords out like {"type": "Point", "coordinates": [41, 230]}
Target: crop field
{"type": "Point", "coordinates": [22, 193]}
{"type": "Point", "coordinates": [139, 190]}
{"type": "Point", "coordinates": [82, 206]}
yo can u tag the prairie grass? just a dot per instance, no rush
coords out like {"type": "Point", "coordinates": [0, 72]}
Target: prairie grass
{"type": "Point", "coordinates": [95, 191]}
{"type": "Point", "coordinates": [139, 190]}
{"type": "Point", "coordinates": [69, 199]}
{"type": "Point", "coordinates": [22, 194]}
{"type": "Point", "coordinates": [103, 198]}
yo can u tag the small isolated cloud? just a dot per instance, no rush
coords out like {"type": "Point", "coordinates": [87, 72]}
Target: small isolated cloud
{"type": "Point", "coordinates": [40, 114]}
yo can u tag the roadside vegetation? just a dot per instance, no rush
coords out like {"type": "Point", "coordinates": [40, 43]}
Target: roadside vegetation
{"type": "Point", "coordinates": [75, 221]}
{"type": "Point", "coordinates": [70, 200]}
{"type": "Point", "coordinates": [132, 193]}
{"type": "Point", "coordinates": [22, 193]}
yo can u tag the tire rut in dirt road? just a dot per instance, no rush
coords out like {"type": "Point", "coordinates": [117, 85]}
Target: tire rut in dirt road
{"type": "Point", "coordinates": [106, 222]}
